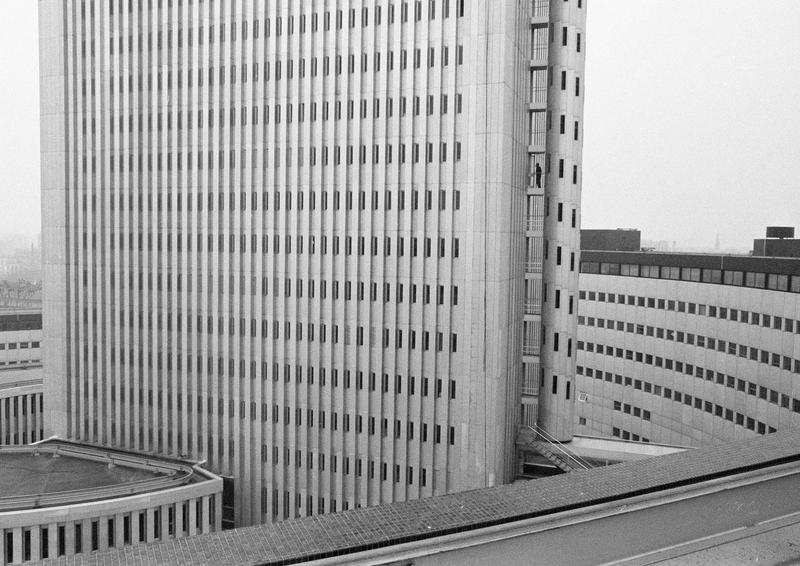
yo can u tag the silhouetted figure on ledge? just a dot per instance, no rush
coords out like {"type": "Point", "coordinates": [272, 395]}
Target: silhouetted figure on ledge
{"type": "Point", "coordinates": [538, 176]}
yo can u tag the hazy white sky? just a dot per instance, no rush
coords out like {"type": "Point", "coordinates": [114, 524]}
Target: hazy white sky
{"type": "Point", "coordinates": [19, 118]}
{"type": "Point", "coordinates": [692, 120]}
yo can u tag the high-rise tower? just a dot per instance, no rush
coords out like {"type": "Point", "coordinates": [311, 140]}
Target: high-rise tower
{"type": "Point", "coordinates": [289, 238]}
{"type": "Point", "coordinates": [558, 121]}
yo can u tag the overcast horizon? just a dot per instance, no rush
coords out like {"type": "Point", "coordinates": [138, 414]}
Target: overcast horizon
{"type": "Point", "coordinates": [691, 121]}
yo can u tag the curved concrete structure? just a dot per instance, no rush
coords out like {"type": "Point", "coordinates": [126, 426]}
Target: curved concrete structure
{"type": "Point", "coordinates": [62, 498]}
{"type": "Point", "coordinates": [21, 386]}
{"type": "Point", "coordinates": [562, 215]}
{"type": "Point", "coordinates": [20, 338]}
{"type": "Point", "coordinates": [688, 349]}
{"type": "Point", "coordinates": [21, 403]}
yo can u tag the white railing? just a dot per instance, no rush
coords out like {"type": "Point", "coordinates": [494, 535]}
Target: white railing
{"type": "Point", "coordinates": [534, 224]}
{"type": "Point", "coordinates": [538, 95]}
{"type": "Point", "coordinates": [540, 47]}
{"type": "Point", "coordinates": [538, 129]}
{"type": "Point", "coordinates": [530, 386]}
{"type": "Point", "coordinates": [530, 349]}
{"type": "Point", "coordinates": [532, 181]}
{"type": "Point", "coordinates": [530, 414]}
{"type": "Point", "coordinates": [538, 137]}
{"type": "Point", "coordinates": [177, 474]}
{"type": "Point", "coordinates": [533, 307]}
{"type": "Point", "coordinates": [540, 9]}
{"type": "Point", "coordinates": [572, 458]}
{"type": "Point", "coordinates": [534, 266]}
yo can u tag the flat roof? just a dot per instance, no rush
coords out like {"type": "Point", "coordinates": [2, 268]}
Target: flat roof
{"type": "Point", "coordinates": [620, 450]}
{"type": "Point", "coordinates": [27, 473]}
{"type": "Point", "coordinates": [58, 472]}
{"type": "Point", "coordinates": [341, 534]}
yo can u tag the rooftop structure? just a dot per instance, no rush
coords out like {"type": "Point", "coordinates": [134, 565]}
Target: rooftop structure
{"type": "Point", "coordinates": [27, 475]}
{"type": "Point", "coordinates": [21, 403]}
{"type": "Point", "coordinates": [20, 338]}
{"type": "Point", "coordinates": [611, 240]}
{"type": "Point", "coordinates": [21, 376]}
{"type": "Point", "coordinates": [63, 498]}
{"type": "Point", "coordinates": [780, 242]}
{"type": "Point", "coordinates": [54, 473]}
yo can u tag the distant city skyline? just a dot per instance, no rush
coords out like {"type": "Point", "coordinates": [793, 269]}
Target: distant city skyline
{"type": "Point", "coordinates": [714, 110]}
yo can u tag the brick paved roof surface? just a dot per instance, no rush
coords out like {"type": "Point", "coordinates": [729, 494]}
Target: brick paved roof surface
{"type": "Point", "coordinates": [294, 541]}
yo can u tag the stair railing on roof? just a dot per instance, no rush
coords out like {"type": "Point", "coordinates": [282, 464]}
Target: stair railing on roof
{"type": "Point", "coordinates": [550, 440]}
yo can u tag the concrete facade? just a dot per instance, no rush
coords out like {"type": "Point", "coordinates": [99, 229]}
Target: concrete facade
{"type": "Point", "coordinates": [688, 349]}
{"type": "Point", "coordinates": [21, 406]}
{"type": "Point", "coordinates": [304, 241]}
{"type": "Point", "coordinates": [552, 224]}
{"type": "Point", "coordinates": [21, 386]}
{"type": "Point", "coordinates": [20, 338]}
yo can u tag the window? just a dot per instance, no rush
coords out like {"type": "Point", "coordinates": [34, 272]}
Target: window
{"type": "Point", "coordinates": [733, 278]}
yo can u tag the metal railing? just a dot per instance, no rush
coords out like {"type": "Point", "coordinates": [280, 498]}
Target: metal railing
{"type": "Point", "coordinates": [538, 131]}
{"type": "Point", "coordinates": [174, 475]}
{"type": "Point", "coordinates": [532, 181]}
{"type": "Point", "coordinates": [539, 52]}
{"type": "Point", "coordinates": [530, 350]}
{"type": "Point", "coordinates": [533, 307]}
{"type": "Point", "coordinates": [533, 266]}
{"type": "Point", "coordinates": [534, 224]}
{"type": "Point", "coordinates": [530, 387]}
{"type": "Point", "coordinates": [550, 440]}
{"type": "Point", "coordinates": [540, 8]}
{"type": "Point", "coordinates": [538, 94]}
{"type": "Point", "coordinates": [538, 140]}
